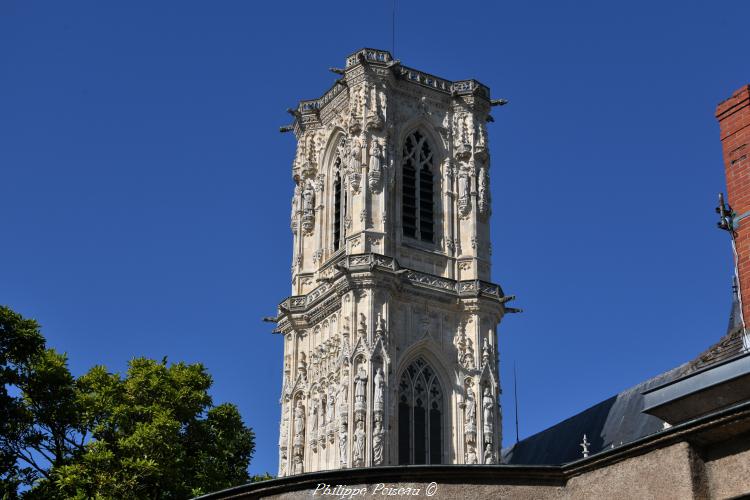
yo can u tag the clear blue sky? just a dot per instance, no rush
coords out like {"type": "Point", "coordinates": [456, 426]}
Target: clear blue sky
{"type": "Point", "coordinates": [144, 186]}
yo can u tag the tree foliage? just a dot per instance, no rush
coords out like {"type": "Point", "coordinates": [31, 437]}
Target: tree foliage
{"type": "Point", "coordinates": [20, 344]}
{"type": "Point", "coordinates": [152, 432]}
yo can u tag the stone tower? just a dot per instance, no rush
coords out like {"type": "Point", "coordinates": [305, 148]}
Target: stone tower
{"type": "Point", "coordinates": [390, 343]}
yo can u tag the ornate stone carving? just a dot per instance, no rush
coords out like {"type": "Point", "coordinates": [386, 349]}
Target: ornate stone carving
{"type": "Point", "coordinates": [483, 193]}
{"type": "Point", "coordinates": [348, 275]}
{"type": "Point", "coordinates": [488, 405]}
{"type": "Point", "coordinates": [302, 366]}
{"type": "Point", "coordinates": [480, 148]}
{"type": "Point", "coordinates": [299, 437]}
{"type": "Point", "coordinates": [486, 352]}
{"type": "Point", "coordinates": [360, 384]}
{"type": "Point", "coordinates": [464, 181]}
{"type": "Point", "coordinates": [380, 328]}
{"type": "Point", "coordinates": [471, 411]}
{"type": "Point", "coordinates": [355, 164]}
{"type": "Point", "coordinates": [283, 437]}
{"type": "Point", "coordinates": [374, 115]}
{"type": "Point", "coordinates": [362, 329]}
{"type": "Point", "coordinates": [314, 425]}
{"type": "Point", "coordinates": [465, 349]}
{"type": "Point", "coordinates": [343, 443]}
{"type": "Point", "coordinates": [376, 165]}
{"type": "Point", "coordinates": [461, 132]}
{"type": "Point", "coordinates": [358, 453]}
{"type": "Point", "coordinates": [295, 208]}
{"type": "Point", "coordinates": [379, 391]}
{"type": "Point", "coordinates": [377, 443]}
{"type": "Point", "coordinates": [330, 413]}
{"type": "Point", "coordinates": [308, 207]}
{"type": "Point", "coordinates": [489, 457]}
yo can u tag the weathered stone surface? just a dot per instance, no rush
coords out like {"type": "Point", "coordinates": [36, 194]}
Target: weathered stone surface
{"type": "Point", "coordinates": [664, 474]}
{"type": "Point", "coordinates": [381, 285]}
{"type": "Point", "coordinates": [708, 458]}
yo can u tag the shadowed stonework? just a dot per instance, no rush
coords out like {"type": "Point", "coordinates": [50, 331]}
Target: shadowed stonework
{"type": "Point", "coordinates": [390, 343]}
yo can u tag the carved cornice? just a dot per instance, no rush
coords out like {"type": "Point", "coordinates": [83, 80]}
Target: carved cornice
{"type": "Point", "coordinates": [309, 111]}
{"type": "Point", "coordinates": [326, 298]}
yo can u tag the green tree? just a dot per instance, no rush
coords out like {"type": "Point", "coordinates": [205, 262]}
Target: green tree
{"type": "Point", "coordinates": [156, 435]}
{"type": "Point", "coordinates": [21, 346]}
{"type": "Point", "coordinates": [150, 433]}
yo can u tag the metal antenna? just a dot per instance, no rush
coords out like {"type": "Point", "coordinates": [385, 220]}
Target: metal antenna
{"type": "Point", "coordinates": [515, 396]}
{"type": "Point", "coordinates": [393, 31]}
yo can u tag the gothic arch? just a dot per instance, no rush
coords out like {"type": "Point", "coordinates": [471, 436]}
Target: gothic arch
{"type": "Point", "coordinates": [426, 349]}
{"type": "Point", "coordinates": [423, 124]}
{"type": "Point", "coordinates": [414, 226]}
{"type": "Point", "coordinates": [331, 242]}
{"type": "Point", "coordinates": [421, 351]}
{"type": "Point", "coordinates": [421, 416]}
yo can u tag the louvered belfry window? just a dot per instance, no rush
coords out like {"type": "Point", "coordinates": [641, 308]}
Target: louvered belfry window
{"type": "Point", "coordinates": [337, 212]}
{"type": "Point", "coordinates": [339, 207]}
{"type": "Point", "coordinates": [417, 201]}
{"type": "Point", "coordinates": [420, 416]}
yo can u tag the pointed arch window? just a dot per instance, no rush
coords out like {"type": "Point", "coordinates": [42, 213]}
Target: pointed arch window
{"type": "Point", "coordinates": [418, 190]}
{"type": "Point", "coordinates": [420, 416]}
{"type": "Point", "coordinates": [339, 207]}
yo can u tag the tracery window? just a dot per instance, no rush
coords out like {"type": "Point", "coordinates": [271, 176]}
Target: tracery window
{"type": "Point", "coordinates": [420, 416]}
{"type": "Point", "coordinates": [417, 200]}
{"type": "Point", "coordinates": [339, 208]}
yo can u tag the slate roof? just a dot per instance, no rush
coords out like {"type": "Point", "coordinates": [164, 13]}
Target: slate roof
{"type": "Point", "coordinates": [615, 421]}
{"type": "Point", "coordinates": [619, 419]}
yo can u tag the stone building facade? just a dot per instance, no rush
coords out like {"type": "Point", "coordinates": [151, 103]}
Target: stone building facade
{"type": "Point", "coordinates": [684, 434]}
{"type": "Point", "coordinates": [390, 343]}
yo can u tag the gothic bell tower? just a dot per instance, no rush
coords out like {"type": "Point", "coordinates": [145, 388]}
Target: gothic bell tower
{"type": "Point", "coordinates": [390, 342]}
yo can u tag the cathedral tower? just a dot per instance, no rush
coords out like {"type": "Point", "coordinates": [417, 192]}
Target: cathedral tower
{"type": "Point", "coordinates": [390, 343]}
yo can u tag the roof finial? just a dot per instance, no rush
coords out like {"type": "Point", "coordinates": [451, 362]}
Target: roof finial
{"type": "Point", "coordinates": [585, 445]}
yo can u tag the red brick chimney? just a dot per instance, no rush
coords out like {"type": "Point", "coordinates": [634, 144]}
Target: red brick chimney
{"type": "Point", "coordinates": [734, 121]}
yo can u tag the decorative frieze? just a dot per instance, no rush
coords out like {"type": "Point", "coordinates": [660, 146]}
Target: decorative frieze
{"type": "Point", "coordinates": [370, 344]}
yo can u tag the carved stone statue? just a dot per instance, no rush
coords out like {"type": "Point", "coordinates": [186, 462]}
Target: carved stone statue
{"type": "Point", "coordinates": [295, 208]}
{"type": "Point", "coordinates": [360, 381]}
{"type": "Point", "coordinates": [461, 132]}
{"type": "Point", "coordinates": [298, 466]}
{"type": "Point", "coordinates": [376, 163]}
{"type": "Point", "coordinates": [471, 455]}
{"type": "Point", "coordinates": [314, 417]}
{"type": "Point", "coordinates": [464, 205]}
{"type": "Point", "coordinates": [380, 326]}
{"type": "Point", "coordinates": [282, 462]}
{"type": "Point", "coordinates": [308, 207]}
{"type": "Point", "coordinates": [362, 330]}
{"type": "Point", "coordinates": [461, 345]}
{"type": "Point", "coordinates": [489, 457]}
{"type": "Point", "coordinates": [471, 409]}
{"type": "Point", "coordinates": [299, 437]}
{"type": "Point", "coordinates": [468, 358]}
{"type": "Point", "coordinates": [355, 164]}
{"type": "Point", "coordinates": [343, 443]}
{"type": "Point", "coordinates": [302, 365]}
{"type": "Point", "coordinates": [308, 197]}
{"type": "Point", "coordinates": [331, 404]}
{"type": "Point", "coordinates": [483, 200]}
{"type": "Point", "coordinates": [379, 389]}
{"type": "Point", "coordinates": [299, 423]}
{"type": "Point", "coordinates": [344, 393]}
{"type": "Point", "coordinates": [377, 443]}
{"type": "Point", "coordinates": [488, 404]}
{"type": "Point", "coordinates": [486, 352]}
{"type": "Point", "coordinates": [358, 453]}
